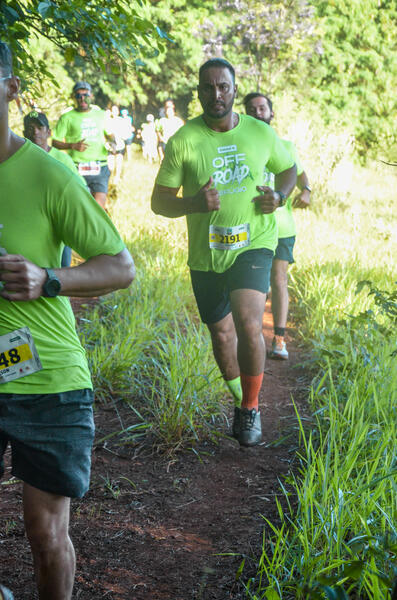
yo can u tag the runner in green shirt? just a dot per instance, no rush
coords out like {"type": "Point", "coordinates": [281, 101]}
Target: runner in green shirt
{"type": "Point", "coordinates": [45, 386]}
{"type": "Point", "coordinates": [83, 132]}
{"type": "Point", "coordinates": [260, 107]}
{"type": "Point", "coordinates": [36, 128]}
{"type": "Point", "coordinates": [218, 159]}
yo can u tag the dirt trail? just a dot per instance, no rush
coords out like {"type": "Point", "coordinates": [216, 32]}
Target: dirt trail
{"type": "Point", "coordinates": [153, 530]}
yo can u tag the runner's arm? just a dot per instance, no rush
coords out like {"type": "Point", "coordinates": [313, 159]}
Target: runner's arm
{"type": "Point", "coordinates": [166, 202]}
{"type": "Point", "coordinates": [302, 200]}
{"type": "Point", "coordinates": [79, 146]}
{"type": "Point", "coordinates": [23, 280]}
{"type": "Point", "coordinates": [286, 181]}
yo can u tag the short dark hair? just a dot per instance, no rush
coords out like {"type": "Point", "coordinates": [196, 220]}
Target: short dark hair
{"type": "Point", "coordinates": [5, 59]}
{"type": "Point", "coordinates": [253, 95]}
{"type": "Point", "coordinates": [217, 62]}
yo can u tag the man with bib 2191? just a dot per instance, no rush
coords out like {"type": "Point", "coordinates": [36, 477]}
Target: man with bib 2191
{"type": "Point", "coordinates": [219, 159]}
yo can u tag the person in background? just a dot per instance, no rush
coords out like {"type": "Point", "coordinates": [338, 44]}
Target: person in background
{"type": "Point", "coordinates": [116, 154]}
{"type": "Point", "coordinates": [166, 126]}
{"type": "Point", "coordinates": [128, 131]}
{"type": "Point", "coordinates": [149, 139]}
{"type": "Point", "coordinates": [36, 128]}
{"type": "Point", "coordinates": [83, 133]}
{"type": "Point", "coordinates": [260, 107]}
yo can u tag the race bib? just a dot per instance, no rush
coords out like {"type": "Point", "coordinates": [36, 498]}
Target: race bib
{"type": "Point", "coordinates": [229, 238]}
{"type": "Point", "coordinates": [90, 168]}
{"type": "Point", "coordinates": [18, 355]}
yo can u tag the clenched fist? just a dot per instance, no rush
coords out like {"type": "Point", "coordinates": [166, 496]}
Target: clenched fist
{"type": "Point", "coordinates": [207, 198]}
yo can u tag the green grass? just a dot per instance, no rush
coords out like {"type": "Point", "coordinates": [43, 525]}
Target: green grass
{"type": "Point", "coordinates": [341, 540]}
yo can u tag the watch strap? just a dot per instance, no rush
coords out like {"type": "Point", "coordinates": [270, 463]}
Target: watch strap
{"type": "Point", "coordinates": [283, 197]}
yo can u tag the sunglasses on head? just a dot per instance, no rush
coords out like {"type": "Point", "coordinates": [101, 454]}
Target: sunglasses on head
{"type": "Point", "coordinates": [79, 95]}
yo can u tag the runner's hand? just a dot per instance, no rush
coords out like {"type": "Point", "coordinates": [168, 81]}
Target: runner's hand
{"type": "Point", "coordinates": [268, 201]}
{"type": "Point", "coordinates": [22, 279]}
{"type": "Point", "coordinates": [79, 146]}
{"type": "Point", "coordinates": [208, 198]}
{"type": "Point", "coordinates": [302, 200]}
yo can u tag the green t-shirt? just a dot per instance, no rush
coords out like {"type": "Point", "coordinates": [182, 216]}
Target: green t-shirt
{"type": "Point", "coordinates": [89, 126]}
{"type": "Point", "coordinates": [67, 161]}
{"type": "Point", "coordinates": [44, 207]}
{"type": "Point", "coordinates": [236, 160]}
{"type": "Point", "coordinates": [284, 217]}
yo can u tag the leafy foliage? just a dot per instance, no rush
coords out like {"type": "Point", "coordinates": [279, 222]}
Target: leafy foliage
{"type": "Point", "coordinates": [265, 40]}
{"type": "Point", "coordinates": [109, 35]}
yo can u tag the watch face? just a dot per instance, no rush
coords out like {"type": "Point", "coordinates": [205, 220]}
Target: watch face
{"type": "Point", "coordinates": [52, 287]}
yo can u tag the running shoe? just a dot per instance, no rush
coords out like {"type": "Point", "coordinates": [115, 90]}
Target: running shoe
{"type": "Point", "coordinates": [236, 422]}
{"type": "Point", "coordinates": [279, 348]}
{"type": "Point", "coordinates": [247, 427]}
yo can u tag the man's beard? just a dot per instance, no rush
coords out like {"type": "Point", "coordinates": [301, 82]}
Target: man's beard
{"type": "Point", "coordinates": [219, 114]}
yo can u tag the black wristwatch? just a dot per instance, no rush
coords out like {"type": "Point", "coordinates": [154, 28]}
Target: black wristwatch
{"type": "Point", "coordinates": [52, 285]}
{"type": "Point", "coordinates": [283, 197]}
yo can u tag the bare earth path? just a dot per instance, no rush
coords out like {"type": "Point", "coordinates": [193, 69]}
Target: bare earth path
{"type": "Point", "coordinates": [151, 529]}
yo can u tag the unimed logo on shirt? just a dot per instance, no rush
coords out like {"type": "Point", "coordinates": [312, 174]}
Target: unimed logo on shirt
{"type": "Point", "coordinates": [230, 167]}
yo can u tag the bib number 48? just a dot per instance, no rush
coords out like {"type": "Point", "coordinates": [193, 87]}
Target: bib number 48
{"type": "Point", "coordinates": [11, 357]}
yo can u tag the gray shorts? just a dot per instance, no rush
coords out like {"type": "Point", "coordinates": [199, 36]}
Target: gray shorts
{"type": "Point", "coordinates": [284, 250]}
{"type": "Point", "coordinates": [98, 183]}
{"type": "Point", "coordinates": [51, 437]}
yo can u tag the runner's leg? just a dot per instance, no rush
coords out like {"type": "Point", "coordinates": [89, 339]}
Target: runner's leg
{"type": "Point", "coordinates": [47, 523]}
{"type": "Point", "coordinates": [101, 198]}
{"type": "Point", "coordinates": [247, 308]}
{"type": "Point", "coordinates": [280, 300]}
{"type": "Point", "coordinates": [224, 345]}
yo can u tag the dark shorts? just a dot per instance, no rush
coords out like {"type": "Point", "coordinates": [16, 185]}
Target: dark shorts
{"type": "Point", "coordinates": [98, 183]}
{"type": "Point", "coordinates": [251, 271]}
{"type": "Point", "coordinates": [129, 140]}
{"type": "Point", "coordinates": [51, 437]}
{"type": "Point", "coordinates": [284, 250]}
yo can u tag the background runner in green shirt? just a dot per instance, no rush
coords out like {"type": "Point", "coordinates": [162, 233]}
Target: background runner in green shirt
{"type": "Point", "coordinates": [260, 107]}
{"type": "Point", "coordinates": [219, 159]}
{"type": "Point", "coordinates": [83, 132]}
{"type": "Point", "coordinates": [45, 396]}
{"type": "Point", "coordinates": [36, 128]}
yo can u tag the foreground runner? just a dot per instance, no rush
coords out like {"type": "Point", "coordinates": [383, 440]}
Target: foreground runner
{"type": "Point", "coordinates": [45, 387]}
{"type": "Point", "coordinates": [36, 128]}
{"type": "Point", "coordinates": [83, 132]}
{"type": "Point", "coordinates": [219, 160]}
{"type": "Point", "coordinates": [260, 107]}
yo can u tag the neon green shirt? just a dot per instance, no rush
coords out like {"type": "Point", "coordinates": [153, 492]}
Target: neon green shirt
{"type": "Point", "coordinates": [284, 216]}
{"type": "Point", "coordinates": [44, 207]}
{"type": "Point", "coordinates": [236, 160]}
{"type": "Point", "coordinates": [89, 126]}
{"type": "Point", "coordinates": [66, 160]}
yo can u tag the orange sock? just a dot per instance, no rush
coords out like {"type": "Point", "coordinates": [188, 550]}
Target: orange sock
{"type": "Point", "coordinates": [251, 384]}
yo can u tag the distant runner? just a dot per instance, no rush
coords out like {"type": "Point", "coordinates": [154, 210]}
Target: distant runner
{"type": "Point", "coordinates": [83, 132]}
{"type": "Point", "coordinates": [166, 126]}
{"type": "Point", "coordinates": [219, 159]}
{"type": "Point", "coordinates": [36, 128]}
{"type": "Point", "coordinates": [260, 107]}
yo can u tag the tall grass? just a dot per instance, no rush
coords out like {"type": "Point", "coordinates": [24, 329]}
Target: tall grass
{"type": "Point", "coordinates": [341, 540]}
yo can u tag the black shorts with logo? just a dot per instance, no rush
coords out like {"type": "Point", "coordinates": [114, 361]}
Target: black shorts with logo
{"type": "Point", "coordinates": [251, 270]}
